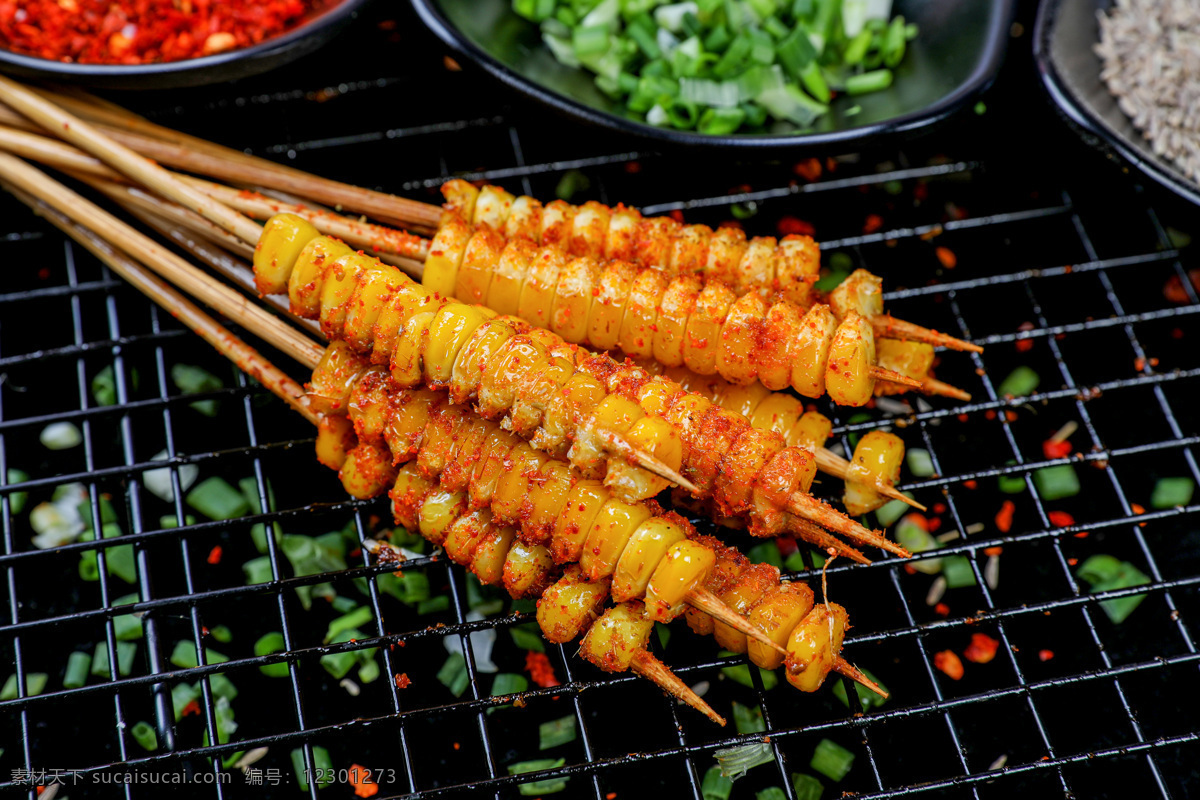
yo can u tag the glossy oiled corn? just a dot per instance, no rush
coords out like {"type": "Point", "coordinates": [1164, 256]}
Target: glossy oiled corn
{"type": "Point", "coordinates": [877, 459]}
{"type": "Point", "coordinates": [814, 646]}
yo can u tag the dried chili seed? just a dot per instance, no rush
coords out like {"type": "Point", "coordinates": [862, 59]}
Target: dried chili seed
{"type": "Point", "coordinates": [948, 662]}
{"type": "Point", "coordinates": [982, 648]}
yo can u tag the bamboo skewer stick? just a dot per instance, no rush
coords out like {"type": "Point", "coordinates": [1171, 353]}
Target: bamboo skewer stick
{"type": "Point", "coordinates": [823, 514]}
{"type": "Point", "coordinates": [245, 357]}
{"type": "Point", "coordinates": [396, 247]}
{"type": "Point", "coordinates": [87, 138]}
{"type": "Point", "coordinates": [189, 278]}
{"type": "Point", "coordinates": [646, 665]}
{"type": "Point", "coordinates": [213, 160]}
{"type": "Point", "coordinates": [888, 327]}
{"type": "Point", "coordinates": [833, 464]}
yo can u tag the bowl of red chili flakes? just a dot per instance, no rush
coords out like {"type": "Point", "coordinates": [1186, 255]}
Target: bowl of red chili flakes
{"type": "Point", "coordinates": [161, 44]}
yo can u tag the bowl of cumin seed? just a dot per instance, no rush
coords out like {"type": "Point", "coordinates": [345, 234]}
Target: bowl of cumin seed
{"type": "Point", "coordinates": [1126, 75]}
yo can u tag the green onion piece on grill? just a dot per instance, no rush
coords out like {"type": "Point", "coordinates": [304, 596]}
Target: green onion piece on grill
{"type": "Point", "coordinates": [35, 684]}
{"type": "Point", "coordinates": [807, 787]}
{"type": "Point", "coordinates": [267, 645]}
{"type": "Point", "coordinates": [920, 463]}
{"type": "Point", "coordinates": [891, 511]}
{"type": "Point", "coordinates": [715, 785]}
{"type": "Point", "coordinates": [222, 686]}
{"type": "Point", "coordinates": [453, 674]}
{"type": "Point", "coordinates": [221, 634]}
{"type": "Point", "coordinates": [958, 572]}
{"type": "Point", "coordinates": [770, 793]}
{"type": "Point", "coordinates": [747, 719]}
{"type": "Point", "coordinates": [914, 536]}
{"type": "Point", "coordinates": [409, 587]}
{"type": "Point", "coordinates": [433, 605]}
{"type": "Point", "coordinates": [60, 436]}
{"type": "Point", "coordinates": [1021, 382]}
{"type": "Point", "coordinates": [766, 553]}
{"type": "Point", "coordinates": [740, 674]}
{"type": "Point", "coordinates": [556, 732]}
{"type": "Point", "coordinates": [1055, 483]}
{"type": "Point", "coordinates": [873, 81]}
{"type": "Point", "coordinates": [194, 380]}
{"type": "Point", "coordinates": [182, 696]}
{"type": "Point", "coordinates": [322, 766]}
{"type": "Point", "coordinates": [866, 698]}
{"type": "Point", "coordinates": [527, 636]}
{"type": "Point", "coordinates": [1106, 573]}
{"type": "Point", "coordinates": [78, 666]}
{"type": "Point", "coordinates": [143, 733]}
{"type": "Point", "coordinates": [216, 499]}
{"type": "Point", "coordinates": [832, 760]}
{"type": "Point", "coordinates": [737, 761]}
{"type": "Point", "coordinates": [1172, 492]}
{"type": "Point", "coordinates": [539, 788]}
{"type": "Point", "coordinates": [356, 618]}
{"type": "Point", "coordinates": [16, 500]}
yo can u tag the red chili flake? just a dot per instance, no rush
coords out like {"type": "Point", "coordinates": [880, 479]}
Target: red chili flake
{"type": "Point", "coordinates": [963, 417]}
{"type": "Point", "coordinates": [732, 223]}
{"type": "Point", "coordinates": [934, 524]}
{"type": "Point", "coordinates": [947, 257]}
{"type": "Point", "coordinates": [633, 167]}
{"type": "Point", "coordinates": [360, 779]}
{"type": "Point", "coordinates": [993, 551]}
{"type": "Point", "coordinates": [1072, 561]}
{"type": "Point", "coordinates": [1061, 519]}
{"type": "Point", "coordinates": [1173, 289]}
{"type": "Point", "coordinates": [830, 164]}
{"type": "Point", "coordinates": [939, 508]}
{"type": "Point", "coordinates": [146, 31]}
{"type": "Point", "coordinates": [971, 484]}
{"type": "Point", "coordinates": [921, 191]}
{"type": "Point", "coordinates": [1004, 517]}
{"type": "Point", "coordinates": [403, 681]}
{"type": "Point", "coordinates": [539, 668]}
{"type": "Point", "coordinates": [610, 796]}
{"type": "Point", "coordinates": [1176, 333]}
{"type": "Point", "coordinates": [214, 555]}
{"type": "Point", "coordinates": [990, 414]}
{"type": "Point", "coordinates": [874, 222]}
{"type": "Point", "coordinates": [1138, 510]}
{"type": "Point", "coordinates": [191, 708]}
{"type": "Point", "coordinates": [676, 215]}
{"type": "Point", "coordinates": [1010, 415]}
{"type": "Point", "coordinates": [942, 610]}
{"type": "Point", "coordinates": [809, 169]}
{"type": "Point", "coordinates": [982, 648]}
{"type": "Point", "coordinates": [43, 273]}
{"type": "Point", "coordinates": [1053, 449]}
{"type": "Point", "coordinates": [794, 226]}
{"type": "Point", "coordinates": [457, 746]}
{"type": "Point", "coordinates": [948, 662]}
{"type": "Point", "coordinates": [1045, 655]}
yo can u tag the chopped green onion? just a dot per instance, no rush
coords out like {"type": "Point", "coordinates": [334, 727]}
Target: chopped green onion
{"type": "Point", "coordinates": [913, 535]}
{"type": "Point", "coordinates": [1021, 382]}
{"type": "Point", "coordinates": [920, 463]}
{"type": "Point", "coordinates": [216, 499]}
{"type": "Point", "coordinates": [866, 697]}
{"type": "Point", "coordinates": [1105, 573]}
{"type": "Point", "coordinates": [1172, 492]}
{"type": "Point", "coordinates": [78, 666]}
{"type": "Point", "coordinates": [16, 500]}
{"type": "Point", "coordinates": [534, 10]}
{"type": "Point", "coordinates": [182, 696]}
{"type": "Point", "coordinates": [104, 387]}
{"type": "Point", "coordinates": [322, 768]}
{"type": "Point", "coordinates": [556, 732]}
{"type": "Point", "coordinates": [958, 572]}
{"type": "Point", "coordinates": [663, 633]}
{"type": "Point", "coordinates": [144, 735]}
{"type": "Point", "coordinates": [339, 664]}
{"type": "Point", "coordinates": [158, 481]}
{"type": "Point", "coordinates": [184, 656]}
{"type": "Point", "coordinates": [832, 760]}
{"type": "Point", "coordinates": [770, 793]}
{"type": "Point", "coordinates": [409, 587]}
{"type": "Point", "coordinates": [737, 761]}
{"type": "Point", "coordinates": [35, 684]}
{"type": "Point", "coordinates": [894, 41]}
{"type": "Point", "coordinates": [267, 645]}
{"type": "Point", "coordinates": [740, 674]}
{"type": "Point", "coordinates": [856, 50]}
{"type": "Point", "coordinates": [891, 511]}
{"type": "Point", "coordinates": [715, 785]}
{"type": "Point", "coordinates": [222, 686]}
{"type": "Point", "coordinates": [1011, 484]}
{"type": "Point", "coordinates": [873, 81]}
{"type": "Point", "coordinates": [453, 674]}
{"type": "Point", "coordinates": [527, 637]}
{"type": "Point", "coordinates": [766, 553]}
{"type": "Point", "coordinates": [194, 380]}
{"type": "Point", "coordinates": [831, 280]}
{"type": "Point", "coordinates": [258, 570]}
{"type": "Point", "coordinates": [538, 788]}
{"type": "Point", "coordinates": [222, 634]}
{"type": "Point", "coordinates": [747, 719]}
{"type": "Point", "coordinates": [125, 654]}
{"type": "Point", "coordinates": [1055, 483]}
{"type": "Point", "coordinates": [356, 618]}
{"type": "Point", "coordinates": [60, 436]}
{"type": "Point", "coordinates": [433, 605]}
{"type": "Point", "coordinates": [807, 787]}
{"type": "Point", "coordinates": [571, 183]}
{"type": "Point", "coordinates": [842, 261]}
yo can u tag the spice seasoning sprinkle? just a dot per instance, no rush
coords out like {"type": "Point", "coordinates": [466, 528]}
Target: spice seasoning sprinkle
{"type": "Point", "coordinates": [143, 31]}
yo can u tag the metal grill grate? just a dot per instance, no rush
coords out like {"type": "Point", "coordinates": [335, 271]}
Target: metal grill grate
{"type": "Point", "coordinates": [1038, 240]}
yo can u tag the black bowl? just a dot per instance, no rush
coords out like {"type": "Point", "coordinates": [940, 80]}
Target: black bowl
{"type": "Point", "coordinates": [1064, 35]}
{"type": "Point", "coordinates": [218, 68]}
{"type": "Point", "coordinates": [956, 56]}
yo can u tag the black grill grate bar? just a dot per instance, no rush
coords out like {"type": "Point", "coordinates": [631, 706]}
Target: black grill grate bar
{"type": "Point", "coordinates": [1032, 274]}
{"type": "Point", "coordinates": [42, 293]}
{"type": "Point", "coordinates": [117, 410]}
{"type": "Point", "coordinates": [779, 192]}
{"type": "Point", "coordinates": [525, 171]}
{"type": "Point", "coordinates": [291, 149]}
{"type": "Point", "coordinates": [102, 346]}
{"type": "Point", "coordinates": [916, 232]}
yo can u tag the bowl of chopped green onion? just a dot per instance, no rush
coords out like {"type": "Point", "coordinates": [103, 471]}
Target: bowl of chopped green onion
{"type": "Point", "coordinates": [757, 73]}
